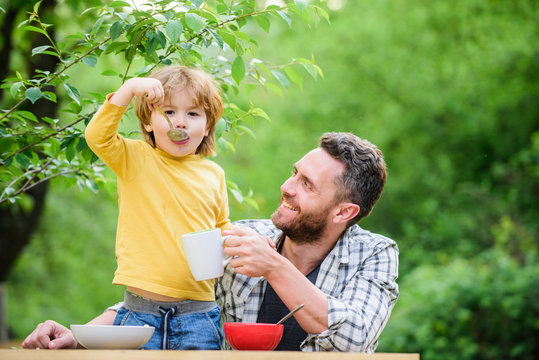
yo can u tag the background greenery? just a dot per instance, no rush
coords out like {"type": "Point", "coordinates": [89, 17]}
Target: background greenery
{"type": "Point", "coordinates": [449, 92]}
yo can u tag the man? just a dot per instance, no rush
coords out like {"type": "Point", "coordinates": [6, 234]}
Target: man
{"type": "Point", "coordinates": [345, 276]}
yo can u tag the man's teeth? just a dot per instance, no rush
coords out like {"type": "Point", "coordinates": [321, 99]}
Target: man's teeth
{"type": "Point", "coordinates": [288, 206]}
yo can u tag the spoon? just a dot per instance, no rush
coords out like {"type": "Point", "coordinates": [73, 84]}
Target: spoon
{"type": "Point", "coordinates": [173, 134]}
{"type": "Point", "coordinates": [290, 314]}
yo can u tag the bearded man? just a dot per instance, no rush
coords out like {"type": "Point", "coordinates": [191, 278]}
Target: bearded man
{"type": "Point", "coordinates": [345, 276]}
{"type": "Point", "coordinates": [311, 252]}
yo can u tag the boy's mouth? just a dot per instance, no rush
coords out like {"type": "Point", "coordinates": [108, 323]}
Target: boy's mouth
{"type": "Point", "coordinates": [183, 142]}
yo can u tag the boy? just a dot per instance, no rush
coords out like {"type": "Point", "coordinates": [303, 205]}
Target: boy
{"type": "Point", "coordinates": [165, 189]}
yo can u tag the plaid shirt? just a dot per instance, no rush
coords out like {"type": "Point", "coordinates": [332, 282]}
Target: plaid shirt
{"type": "Point", "coordinates": [358, 276]}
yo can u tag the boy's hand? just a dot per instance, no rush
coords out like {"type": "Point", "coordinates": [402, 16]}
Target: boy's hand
{"type": "Point", "coordinates": [149, 87]}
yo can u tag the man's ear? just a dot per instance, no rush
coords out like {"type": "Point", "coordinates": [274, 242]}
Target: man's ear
{"type": "Point", "coordinates": [345, 212]}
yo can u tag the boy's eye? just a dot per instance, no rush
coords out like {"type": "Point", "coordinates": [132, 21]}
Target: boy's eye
{"type": "Point", "coordinates": [169, 112]}
{"type": "Point", "coordinates": [192, 113]}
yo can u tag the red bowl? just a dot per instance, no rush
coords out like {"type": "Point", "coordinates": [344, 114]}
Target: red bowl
{"type": "Point", "coordinates": [253, 336]}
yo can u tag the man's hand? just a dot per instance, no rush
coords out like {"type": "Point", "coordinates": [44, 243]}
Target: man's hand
{"type": "Point", "coordinates": [253, 255]}
{"type": "Point", "coordinates": [50, 335]}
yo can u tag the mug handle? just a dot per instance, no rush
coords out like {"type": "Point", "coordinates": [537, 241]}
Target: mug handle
{"type": "Point", "coordinates": [227, 260]}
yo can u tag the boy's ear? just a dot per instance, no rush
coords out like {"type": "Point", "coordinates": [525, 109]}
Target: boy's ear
{"type": "Point", "coordinates": [344, 212]}
{"type": "Point", "coordinates": [148, 128]}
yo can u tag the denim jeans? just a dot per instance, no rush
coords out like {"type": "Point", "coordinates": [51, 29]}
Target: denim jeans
{"type": "Point", "coordinates": [194, 331]}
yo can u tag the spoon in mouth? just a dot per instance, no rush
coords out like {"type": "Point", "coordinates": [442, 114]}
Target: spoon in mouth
{"type": "Point", "coordinates": [173, 134]}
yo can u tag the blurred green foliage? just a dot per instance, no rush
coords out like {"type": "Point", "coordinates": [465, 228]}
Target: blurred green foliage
{"type": "Point", "coordinates": [449, 92]}
{"type": "Point", "coordinates": [66, 272]}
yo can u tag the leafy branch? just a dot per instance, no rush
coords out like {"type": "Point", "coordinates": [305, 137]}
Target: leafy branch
{"type": "Point", "coordinates": [191, 28]}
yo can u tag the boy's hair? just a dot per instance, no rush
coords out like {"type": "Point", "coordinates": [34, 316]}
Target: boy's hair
{"type": "Point", "coordinates": [205, 94]}
{"type": "Point", "coordinates": [364, 176]}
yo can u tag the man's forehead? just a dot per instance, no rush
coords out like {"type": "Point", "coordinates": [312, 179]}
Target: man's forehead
{"type": "Point", "coordinates": [318, 162]}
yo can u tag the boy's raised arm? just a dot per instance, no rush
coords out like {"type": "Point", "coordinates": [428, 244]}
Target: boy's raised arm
{"type": "Point", "coordinates": [150, 87]}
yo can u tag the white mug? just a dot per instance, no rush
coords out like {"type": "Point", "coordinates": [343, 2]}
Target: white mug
{"type": "Point", "coordinates": [204, 251]}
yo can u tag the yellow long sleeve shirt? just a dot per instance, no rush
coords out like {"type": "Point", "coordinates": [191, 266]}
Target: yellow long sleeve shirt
{"type": "Point", "coordinates": [160, 197]}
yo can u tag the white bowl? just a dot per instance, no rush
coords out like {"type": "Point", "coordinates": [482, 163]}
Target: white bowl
{"type": "Point", "coordinates": [112, 336]}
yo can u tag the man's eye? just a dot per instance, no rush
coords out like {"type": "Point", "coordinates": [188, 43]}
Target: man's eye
{"type": "Point", "coordinates": [307, 185]}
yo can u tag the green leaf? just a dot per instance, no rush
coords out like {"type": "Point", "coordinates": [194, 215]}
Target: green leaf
{"type": "Point", "coordinates": [285, 17]}
{"type": "Point", "coordinates": [217, 38]}
{"type": "Point", "coordinates": [260, 113]}
{"type": "Point", "coordinates": [119, 4]}
{"type": "Point", "coordinates": [35, 29]}
{"type": "Point", "coordinates": [263, 22]}
{"type": "Point", "coordinates": [116, 47]}
{"type": "Point", "coordinates": [109, 73]}
{"type": "Point", "coordinates": [97, 24]}
{"type": "Point", "coordinates": [311, 69]}
{"type": "Point", "coordinates": [33, 94]}
{"type": "Point", "coordinates": [247, 130]}
{"type": "Point", "coordinates": [197, 3]}
{"type": "Point", "coordinates": [72, 92]}
{"type": "Point", "coordinates": [174, 29]}
{"type": "Point", "coordinates": [323, 13]}
{"type": "Point", "coordinates": [229, 38]}
{"type": "Point", "coordinates": [27, 115]}
{"type": "Point", "coordinates": [151, 45]}
{"type": "Point", "coordinates": [90, 60]}
{"type": "Point", "coordinates": [238, 69]}
{"type": "Point", "coordinates": [281, 78]}
{"type": "Point", "coordinates": [81, 145]}
{"type": "Point", "coordinates": [116, 30]}
{"type": "Point", "coordinates": [274, 88]}
{"type": "Point", "coordinates": [39, 49]}
{"type": "Point", "coordinates": [237, 194]}
{"type": "Point", "coordinates": [23, 160]}
{"type": "Point", "coordinates": [36, 6]}
{"type": "Point", "coordinates": [161, 39]}
{"type": "Point", "coordinates": [301, 4]}
{"type": "Point", "coordinates": [92, 185]}
{"type": "Point", "coordinates": [194, 22]}
{"type": "Point", "coordinates": [220, 128]}
{"type": "Point", "coordinates": [71, 150]}
{"type": "Point", "coordinates": [294, 76]}
{"type": "Point", "coordinates": [49, 95]}
{"type": "Point", "coordinates": [15, 87]}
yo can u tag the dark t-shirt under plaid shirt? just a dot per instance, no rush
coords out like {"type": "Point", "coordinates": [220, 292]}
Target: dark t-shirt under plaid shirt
{"type": "Point", "coordinates": [358, 276]}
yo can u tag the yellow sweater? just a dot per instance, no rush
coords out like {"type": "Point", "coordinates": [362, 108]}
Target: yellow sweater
{"type": "Point", "coordinates": [160, 197]}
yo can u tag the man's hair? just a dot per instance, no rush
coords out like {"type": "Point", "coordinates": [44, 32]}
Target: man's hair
{"type": "Point", "coordinates": [205, 94]}
{"type": "Point", "coordinates": [364, 176]}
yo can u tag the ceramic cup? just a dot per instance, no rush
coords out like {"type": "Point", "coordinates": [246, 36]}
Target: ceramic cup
{"type": "Point", "coordinates": [205, 253]}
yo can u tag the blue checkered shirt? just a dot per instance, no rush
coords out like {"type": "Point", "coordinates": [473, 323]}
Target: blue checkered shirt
{"type": "Point", "coordinates": [358, 276]}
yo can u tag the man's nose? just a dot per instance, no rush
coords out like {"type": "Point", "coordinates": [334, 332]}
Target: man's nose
{"type": "Point", "coordinates": [288, 186]}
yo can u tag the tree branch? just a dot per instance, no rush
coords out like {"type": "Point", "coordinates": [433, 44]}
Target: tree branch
{"type": "Point", "coordinates": [2, 162]}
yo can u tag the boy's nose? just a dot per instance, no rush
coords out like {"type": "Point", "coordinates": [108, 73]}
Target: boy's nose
{"type": "Point", "coordinates": [179, 122]}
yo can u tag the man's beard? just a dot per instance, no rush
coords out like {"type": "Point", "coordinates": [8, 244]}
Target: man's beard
{"type": "Point", "coordinates": [307, 228]}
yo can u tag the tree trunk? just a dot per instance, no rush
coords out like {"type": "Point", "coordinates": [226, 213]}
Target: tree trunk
{"type": "Point", "coordinates": [4, 334]}
{"type": "Point", "coordinates": [16, 224]}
